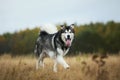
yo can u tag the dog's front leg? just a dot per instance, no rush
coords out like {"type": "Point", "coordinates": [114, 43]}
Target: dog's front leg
{"type": "Point", "coordinates": [61, 61]}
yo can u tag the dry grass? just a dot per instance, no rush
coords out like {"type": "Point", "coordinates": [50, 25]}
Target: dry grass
{"type": "Point", "coordinates": [81, 68]}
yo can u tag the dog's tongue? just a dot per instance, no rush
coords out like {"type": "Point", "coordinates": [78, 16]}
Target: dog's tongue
{"type": "Point", "coordinates": [68, 43]}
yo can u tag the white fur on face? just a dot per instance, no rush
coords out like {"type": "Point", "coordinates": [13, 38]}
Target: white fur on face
{"type": "Point", "coordinates": [65, 34]}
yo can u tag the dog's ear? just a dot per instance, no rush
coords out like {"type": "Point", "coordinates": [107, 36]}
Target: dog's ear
{"type": "Point", "coordinates": [62, 26]}
{"type": "Point", "coordinates": [72, 26]}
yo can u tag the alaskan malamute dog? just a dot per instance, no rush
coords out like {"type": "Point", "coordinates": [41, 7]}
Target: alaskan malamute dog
{"type": "Point", "coordinates": [55, 45]}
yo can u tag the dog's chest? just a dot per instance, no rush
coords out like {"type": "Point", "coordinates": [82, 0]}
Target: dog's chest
{"type": "Point", "coordinates": [62, 51]}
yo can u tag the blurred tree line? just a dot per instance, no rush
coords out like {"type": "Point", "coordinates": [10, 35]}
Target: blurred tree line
{"type": "Point", "coordinates": [89, 38]}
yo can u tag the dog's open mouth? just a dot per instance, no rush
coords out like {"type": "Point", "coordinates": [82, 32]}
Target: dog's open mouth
{"type": "Point", "coordinates": [68, 42]}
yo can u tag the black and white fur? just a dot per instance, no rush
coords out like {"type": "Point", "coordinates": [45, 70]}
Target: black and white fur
{"type": "Point", "coordinates": [55, 45]}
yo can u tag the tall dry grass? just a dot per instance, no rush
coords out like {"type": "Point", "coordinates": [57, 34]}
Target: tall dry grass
{"type": "Point", "coordinates": [82, 67]}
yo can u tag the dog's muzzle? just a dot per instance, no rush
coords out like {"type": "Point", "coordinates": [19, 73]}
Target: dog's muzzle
{"type": "Point", "coordinates": [68, 41]}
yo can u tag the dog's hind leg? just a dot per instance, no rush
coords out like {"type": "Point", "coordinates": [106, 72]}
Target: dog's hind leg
{"type": "Point", "coordinates": [37, 64]}
{"type": "Point", "coordinates": [40, 60]}
{"type": "Point", "coordinates": [55, 66]}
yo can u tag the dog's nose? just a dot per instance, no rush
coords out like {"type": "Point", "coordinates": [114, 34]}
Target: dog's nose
{"type": "Point", "coordinates": [68, 36]}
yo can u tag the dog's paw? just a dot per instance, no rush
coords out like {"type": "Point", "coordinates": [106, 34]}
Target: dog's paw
{"type": "Point", "coordinates": [55, 70]}
{"type": "Point", "coordinates": [68, 67]}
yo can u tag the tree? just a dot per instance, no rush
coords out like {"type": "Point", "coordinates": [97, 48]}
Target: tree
{"type": "Point", "coordinates": [3, 45]}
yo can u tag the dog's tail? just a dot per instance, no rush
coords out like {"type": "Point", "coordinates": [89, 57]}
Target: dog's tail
{"type": "Point", "coordinates": [49, 28]}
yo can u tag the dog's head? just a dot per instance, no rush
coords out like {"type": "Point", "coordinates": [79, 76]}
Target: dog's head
{"type": "Point", "coordinates": [67, 34]}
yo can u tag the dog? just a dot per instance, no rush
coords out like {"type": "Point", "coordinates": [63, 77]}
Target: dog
{"type": "Point", "coordinates": [55, 45]}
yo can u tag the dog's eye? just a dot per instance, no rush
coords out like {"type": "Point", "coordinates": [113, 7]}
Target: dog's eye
{"type": "Point", "coordinates": [65, 31]}
{"type": "Point", "coordinates": [69, 31]}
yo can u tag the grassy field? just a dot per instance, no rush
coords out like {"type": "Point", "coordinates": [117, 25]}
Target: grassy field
{"type": "Point", "coordinates": [82, 67]}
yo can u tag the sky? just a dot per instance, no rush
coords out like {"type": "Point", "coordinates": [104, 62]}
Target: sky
{"type": "Point", "coordinates": [18, 15]}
